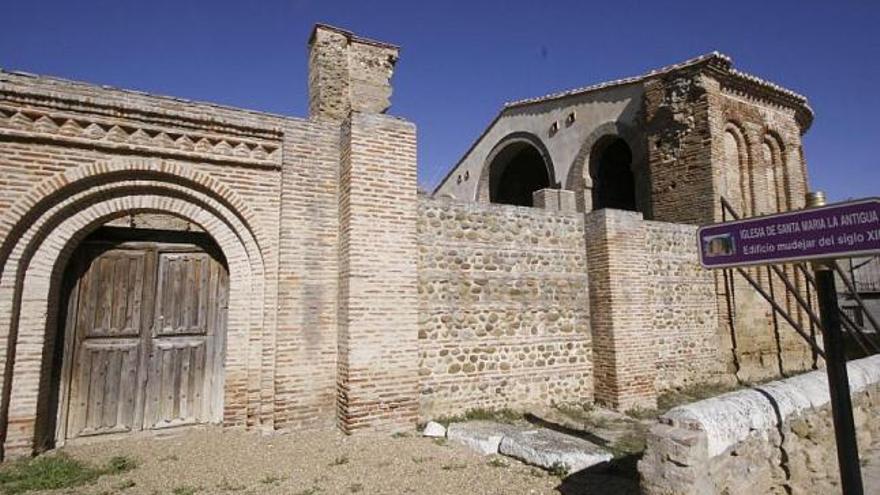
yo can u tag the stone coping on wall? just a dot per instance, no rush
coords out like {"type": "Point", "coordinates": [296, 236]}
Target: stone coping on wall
{"type": "Point", "coordinates": [732, 418]}
{"type": "Point", "coordinates": [470, 205]}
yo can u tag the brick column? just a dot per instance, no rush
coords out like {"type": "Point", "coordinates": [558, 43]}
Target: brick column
{"type": "Point", "coordinates": [624, 358]}
{"type": "Point", "coordinates": [377, 383]}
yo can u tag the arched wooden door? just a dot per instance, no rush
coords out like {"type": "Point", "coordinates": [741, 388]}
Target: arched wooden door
{"type": "Point", "coordinates": [144, 338]}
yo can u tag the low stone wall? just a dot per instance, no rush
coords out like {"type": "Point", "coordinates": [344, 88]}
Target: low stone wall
{"type": "Point", "coordinates": [503, 306]}
{"type": "Point", "coordinates": [775, 438]}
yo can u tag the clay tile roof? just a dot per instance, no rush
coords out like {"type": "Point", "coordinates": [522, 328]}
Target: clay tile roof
{"type": "Point", "coordinates": [716, 60]}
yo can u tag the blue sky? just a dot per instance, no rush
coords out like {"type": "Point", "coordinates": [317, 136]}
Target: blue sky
{"type": "Point", "coordinates": [461, 61]}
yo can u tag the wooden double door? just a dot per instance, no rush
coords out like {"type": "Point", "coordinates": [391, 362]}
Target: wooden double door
{"type": "Point", "coordinates": [144, 339]}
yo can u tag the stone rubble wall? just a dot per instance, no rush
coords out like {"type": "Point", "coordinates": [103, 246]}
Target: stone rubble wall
{"type": "Point", "coordinates": [348, 73]}
{"type": "Point", "coordinates": [503, 304]}
{"type": "Point", "coordinates": [775, 438]}
{"type": "Point", "coordinates": [683, 311]}
{"type": "Point", "coordinates": [505, 315]}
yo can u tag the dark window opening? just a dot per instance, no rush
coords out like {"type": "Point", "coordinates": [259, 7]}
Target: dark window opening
{"type": "Point", "coordinates": [516, 172]}
{"type": "Point", "coordinates": [614, 184]}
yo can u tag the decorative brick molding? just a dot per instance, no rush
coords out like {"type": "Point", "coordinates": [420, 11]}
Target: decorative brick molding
{"type": "Point", "coordinates": [79, 130]}
{"type": "Point", "coordinates": [755, 180]}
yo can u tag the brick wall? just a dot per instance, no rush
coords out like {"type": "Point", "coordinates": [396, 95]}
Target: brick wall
{"type": "Point", "coordinates": [73, 154]}
{"type": "Point", "coordinates": [503, 306]}
{"type": "Point", "coordinates": [306, 343]}
{"type": "Point", "coordinates": [679, 154]}
{"type": "Point", "coordinates": [710, 135]}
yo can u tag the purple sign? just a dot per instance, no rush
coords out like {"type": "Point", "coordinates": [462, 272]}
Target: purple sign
{"type": "Point", "coordinates": [840, 230]}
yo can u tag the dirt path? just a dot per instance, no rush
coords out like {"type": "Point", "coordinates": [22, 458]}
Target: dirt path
{"type": "Point", "coordinates": [320, 462]}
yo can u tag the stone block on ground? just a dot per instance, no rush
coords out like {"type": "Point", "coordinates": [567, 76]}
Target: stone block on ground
{"type": "Point", "coordinates": [549, 449]}
{"type": "Point", "coordinates": [434, 430]}
{"type": "Point", "coordinates": [481, 436]}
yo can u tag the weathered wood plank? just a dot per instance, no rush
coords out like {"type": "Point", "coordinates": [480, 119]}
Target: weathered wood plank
{"type": "Point", "coordinates": [148, 341]}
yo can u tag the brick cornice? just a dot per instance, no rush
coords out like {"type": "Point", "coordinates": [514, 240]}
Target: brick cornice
{"type": "Point", "coordinates": [751, 88]}
{"type": "Point", "coordinates": [90, 130]}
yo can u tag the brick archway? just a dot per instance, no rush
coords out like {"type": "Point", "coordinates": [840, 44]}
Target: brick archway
{"type": "Point", "coordinates": [36, 260]}
{"type": "Point", "coordinates": [505, 143]}
{"type": "Point", "coordinates": [580, 178]}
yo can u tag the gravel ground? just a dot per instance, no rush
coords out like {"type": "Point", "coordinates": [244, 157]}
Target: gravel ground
{"type": "Point", "coordinates": [321, 462]}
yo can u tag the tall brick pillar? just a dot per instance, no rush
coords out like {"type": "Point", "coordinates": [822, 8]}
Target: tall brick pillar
{"type": "Point", "coordinates": [378, 314]}
{"type": "Point", "coordinates": [377, 342]}
{"type": "Point", "coordinates": [624, 358]}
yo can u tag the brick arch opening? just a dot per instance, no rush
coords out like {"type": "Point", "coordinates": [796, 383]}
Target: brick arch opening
{"type": "Point", "coordinates": [778, 179]}
{"type": "Point", "coordinates": [738, 175]}
{"type": "Point", "coordinates": [581, 175]}
{"type": "Point", "coordinates": [518, 166]}
{"type": "Point", "coordinates": [90, 176]}
{"type": "Point", "coordinates": [32, 278]}
{"type": "Point", "coordinates": [611, 169]}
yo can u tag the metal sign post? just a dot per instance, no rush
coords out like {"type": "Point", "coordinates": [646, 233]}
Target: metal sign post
{"type": "Point", "coordinates": [835, 367]}
{"type": "Point", "coordinates": [818, 234]}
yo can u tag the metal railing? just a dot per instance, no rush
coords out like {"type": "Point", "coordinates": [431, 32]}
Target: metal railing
{"type": "Point", "coordinates": [803, 299]}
